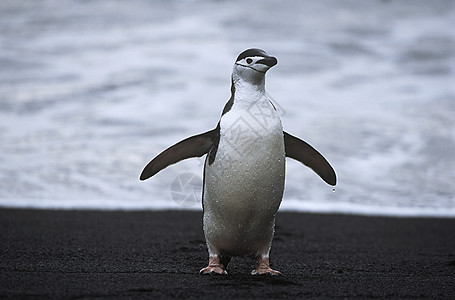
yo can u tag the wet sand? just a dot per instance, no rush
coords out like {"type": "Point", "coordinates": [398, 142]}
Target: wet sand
{"type": "Point", "coordinates": [143, 255]}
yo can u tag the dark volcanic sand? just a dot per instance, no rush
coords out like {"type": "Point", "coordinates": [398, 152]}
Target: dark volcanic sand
{"type": "Point", "coordinates": [145, 255]}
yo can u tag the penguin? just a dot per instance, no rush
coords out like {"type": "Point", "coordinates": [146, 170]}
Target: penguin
{"type": "Point", "coordinates": [244, 170]}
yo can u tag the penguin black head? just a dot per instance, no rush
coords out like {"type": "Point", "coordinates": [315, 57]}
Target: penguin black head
{"type": "Point", "coordinates": [251, 66]}
{"type": "Point", "coordinates": [256, 59]}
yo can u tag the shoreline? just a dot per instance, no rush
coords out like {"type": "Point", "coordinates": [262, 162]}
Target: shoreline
{"type": "Point", "coordinates": [288, 207]}
{"type": "Point", "coordinates": [141, 254]}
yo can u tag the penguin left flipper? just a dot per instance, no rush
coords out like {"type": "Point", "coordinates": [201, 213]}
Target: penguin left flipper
{"type": "Point", "coordinates": [194, 146]}
{"type": "Point", "coordinates": [299, 150]}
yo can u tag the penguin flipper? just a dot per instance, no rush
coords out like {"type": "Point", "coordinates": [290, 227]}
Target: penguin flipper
{"type": "Point", "coordinates": [299, 150]}
{"type": "Point", "coordinates": [194, 146]}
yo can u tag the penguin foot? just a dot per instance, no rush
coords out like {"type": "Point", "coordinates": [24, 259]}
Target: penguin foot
{"type": "Point", "coordinates": [267, 271]}
{"type": "Point", "coordinates": [264, 267]}
{"type": "Point", "coordinates": [215, 267]}
{"type": "Point", "coordinates": [213, 270]}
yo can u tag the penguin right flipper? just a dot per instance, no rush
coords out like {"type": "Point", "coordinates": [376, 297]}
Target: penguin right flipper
{"type": "Point", "coordinates": [194, 146]}
{"type": "Point", "coordinates": [299, 150]}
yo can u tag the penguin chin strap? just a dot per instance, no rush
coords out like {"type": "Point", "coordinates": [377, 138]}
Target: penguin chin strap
{"type": "Point", "coordinates": [263, 72]}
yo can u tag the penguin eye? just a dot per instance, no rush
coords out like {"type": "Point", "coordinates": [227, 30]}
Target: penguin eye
{"type": "Point", "coordinates": [249, 60]}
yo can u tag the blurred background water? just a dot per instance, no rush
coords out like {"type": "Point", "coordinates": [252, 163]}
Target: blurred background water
{"type": "Point", "coordinates": [90, 91]}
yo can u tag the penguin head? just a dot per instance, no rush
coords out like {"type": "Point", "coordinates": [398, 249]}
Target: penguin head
{"type": "Point", "coordinates": [252, 64]}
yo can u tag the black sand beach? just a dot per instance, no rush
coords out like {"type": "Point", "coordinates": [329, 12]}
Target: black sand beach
{"type": "Point", "coordinates": [145, 255]}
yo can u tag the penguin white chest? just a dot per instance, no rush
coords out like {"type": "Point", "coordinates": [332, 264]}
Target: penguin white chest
{"type": "Point", "coordinates": [245, 182]}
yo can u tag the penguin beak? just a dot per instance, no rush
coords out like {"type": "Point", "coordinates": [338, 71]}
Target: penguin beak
{"type": "Point", "coordinates": [269, 61]}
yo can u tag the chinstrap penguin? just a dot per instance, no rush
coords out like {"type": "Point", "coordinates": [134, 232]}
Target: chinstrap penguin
{"type": "Point", "coordinates": [244, 169]}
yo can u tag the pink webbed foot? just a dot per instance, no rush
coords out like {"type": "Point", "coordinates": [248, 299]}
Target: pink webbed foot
{"type": "Point", "coordinates": [213, 270]}
{"type": "Point", "coordinates": [215, 267]}
{"type": "Point", "coordinates": [264, 268]}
